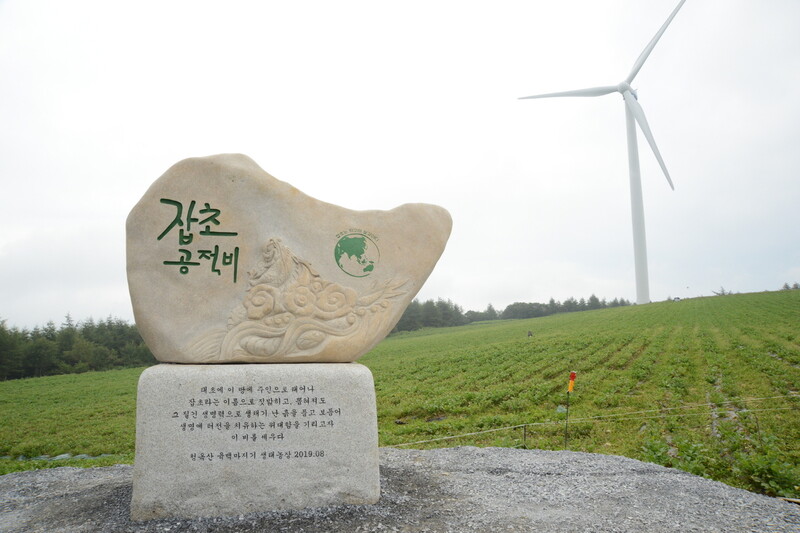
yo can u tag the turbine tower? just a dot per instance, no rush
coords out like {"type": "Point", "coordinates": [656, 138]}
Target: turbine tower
{"type": "Point", "coordinates": [633, 115]}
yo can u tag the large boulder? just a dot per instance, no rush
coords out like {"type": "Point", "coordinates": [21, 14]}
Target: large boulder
{"type": "Point", "coordinates": [229, 264]}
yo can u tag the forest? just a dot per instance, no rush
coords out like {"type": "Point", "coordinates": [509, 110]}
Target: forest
{"type": "Point", "coordinates": [71, 348]}
{"type": "Point", "coordinates": [444, 313]}
{"type": "Point", "coordinates": [89, 345]}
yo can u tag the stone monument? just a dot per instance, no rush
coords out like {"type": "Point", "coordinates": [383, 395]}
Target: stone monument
{"type": "Point", "coordinates": [228, 266]}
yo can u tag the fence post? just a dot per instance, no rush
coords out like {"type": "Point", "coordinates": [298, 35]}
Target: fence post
{"type": "Point", "coordinates": [572, 376]}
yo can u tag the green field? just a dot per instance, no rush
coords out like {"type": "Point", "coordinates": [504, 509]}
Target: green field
{"type": "Point", "coordinates": [707, 385]}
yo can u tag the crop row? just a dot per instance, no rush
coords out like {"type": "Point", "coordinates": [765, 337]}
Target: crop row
{"type": "Point", "coordinates": [710, 384]}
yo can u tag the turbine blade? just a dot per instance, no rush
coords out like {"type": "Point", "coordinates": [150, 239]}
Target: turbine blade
{"type": "Point", "coordinates": [593, 91]}
{"type": "Point", "coordinates": [638, 114]}
{"type": "Point", "coordinates": [649, 48]}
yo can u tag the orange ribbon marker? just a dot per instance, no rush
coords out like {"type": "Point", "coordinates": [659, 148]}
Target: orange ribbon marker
{"type": "Point", "coordinates": [572, 376]}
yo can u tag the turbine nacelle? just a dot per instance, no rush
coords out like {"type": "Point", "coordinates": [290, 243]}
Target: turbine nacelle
{"type": "Point", "coordinates": [624, 87]}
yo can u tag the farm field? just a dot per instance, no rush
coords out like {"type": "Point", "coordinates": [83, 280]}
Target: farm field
{"type": "Point", "coordinates": [92, 413]}
{"type": "Point", "coordinates": [707, 385]}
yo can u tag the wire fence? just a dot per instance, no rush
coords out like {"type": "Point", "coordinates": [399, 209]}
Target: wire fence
{"type": "Point", "coordinates": [647, 414]}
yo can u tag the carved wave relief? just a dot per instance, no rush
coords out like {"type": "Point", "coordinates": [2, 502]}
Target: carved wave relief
{"type": "Point", "coordinates": [290, 312]}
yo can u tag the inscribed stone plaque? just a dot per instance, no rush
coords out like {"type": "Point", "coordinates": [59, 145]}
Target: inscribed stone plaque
{"type": "Point", "coordinates": [228, 264]}
{"type": "Point", "coordinates": [214, 440]}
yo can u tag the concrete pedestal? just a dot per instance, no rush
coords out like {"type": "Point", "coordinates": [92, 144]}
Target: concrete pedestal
{"type": "Point", "coordinates": [216, 440]}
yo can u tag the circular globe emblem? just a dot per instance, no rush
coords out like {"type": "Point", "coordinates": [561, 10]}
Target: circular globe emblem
{"type": "Point", "coordinates": [357, 255]}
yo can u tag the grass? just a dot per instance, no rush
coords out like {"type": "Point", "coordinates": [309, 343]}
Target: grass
{"type": "Point", "coordinates": [92, 414]}
{"type": "Point", "coordinates": [707, 385]}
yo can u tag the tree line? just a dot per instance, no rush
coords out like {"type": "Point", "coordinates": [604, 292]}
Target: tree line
{"type": "Point", "coordinates": [444, 313]}
{"type": "Point", "coordinates": [71, 348]}
{"type": "Point", "coordinates": [75, 347]}
{"type": "Point", "coordinates": [114, 343]}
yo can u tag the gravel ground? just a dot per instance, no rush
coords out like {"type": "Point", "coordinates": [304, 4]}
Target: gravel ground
{"type": "Point", "coordinates": [445, 490]}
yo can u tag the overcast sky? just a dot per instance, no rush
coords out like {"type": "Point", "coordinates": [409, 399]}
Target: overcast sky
{"type": "Point", "coordinates": [370, 105]}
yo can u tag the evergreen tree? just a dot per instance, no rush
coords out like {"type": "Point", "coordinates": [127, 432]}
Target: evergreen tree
{"type": "Point", "coordinates": [446, 313]}
{"type": "Point", "coordinates": [458, 313]}
{"type": "Point", "coordinates": [91, 356]}
{"type": "Point", "coordinates": [10, 354]}
{"type": "Point", "coordinates": [412, 317]}
{"type": "Point", "coordinates": [66, 335]}
{"type": "Point", "coordinates": [431, 317]}
{"type": "Point", "coordinates": [472, 316]}
{"type": "Point", "coordinates": [570, 305]}
{"type": "Point", "coordinates": [50, 332]}
{"type": "Point", "coordinates": [112, 343]}
{"type": "Point", "coordinates": [524, 310]}
{"type": "Point", "coordinates": [40, 357]}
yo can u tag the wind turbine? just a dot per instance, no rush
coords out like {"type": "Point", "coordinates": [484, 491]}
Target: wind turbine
{"type": "Point", "coordinates": [633, 115]}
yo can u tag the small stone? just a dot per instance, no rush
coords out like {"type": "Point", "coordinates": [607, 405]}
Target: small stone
{"type": "Point", "coordinates": [62, 457]}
